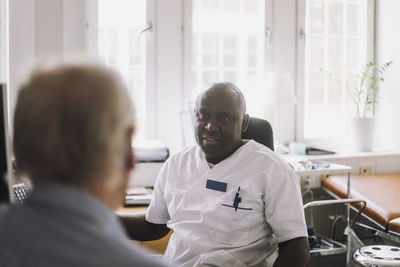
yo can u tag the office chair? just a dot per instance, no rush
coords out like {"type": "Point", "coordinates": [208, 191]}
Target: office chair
{"type": "Point", "coordinates": [260, 131]}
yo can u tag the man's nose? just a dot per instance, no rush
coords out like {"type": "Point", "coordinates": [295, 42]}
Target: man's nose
{"type": "Point", "coordinates": [212, 125]}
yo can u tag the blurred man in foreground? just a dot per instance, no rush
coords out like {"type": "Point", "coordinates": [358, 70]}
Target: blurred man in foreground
{"type": "Point", "coordinates": [73, 126]}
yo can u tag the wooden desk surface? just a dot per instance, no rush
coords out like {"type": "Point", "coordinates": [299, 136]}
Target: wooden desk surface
{"type": "Point", "coordinates": [133, 209]}
{"type": "Point", "coordinates": [156, 246]}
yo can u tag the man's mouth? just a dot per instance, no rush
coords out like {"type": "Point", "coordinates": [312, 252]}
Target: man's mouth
{"type": "Point", "coordinates": [210, 139]}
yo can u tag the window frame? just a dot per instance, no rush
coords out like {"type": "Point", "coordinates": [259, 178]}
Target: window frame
{"type": "Point", "coordinates": [4, 44]}
{"type": "Point", "coordinates": [300, 75]}
{"type": "Point", "coordinates": [91, 14]}
{"type": "Point", "coordinates": [188, 101]}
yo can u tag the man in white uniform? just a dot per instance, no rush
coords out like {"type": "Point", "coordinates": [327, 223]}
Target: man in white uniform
{"type": "Point", "coordinates": [229, 202]}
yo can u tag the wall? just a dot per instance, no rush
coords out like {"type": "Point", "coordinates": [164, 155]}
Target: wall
{"type": "Point", "coordinates": [48, 29]}
{"type": "Point", "coordinates": [21, 43]}
{"type": "Point", "coordinates": [387, 48]}
{"type": "Point", "coordinates": [74, 27]}
{"type": "Point", "coordinates": [42, 30]}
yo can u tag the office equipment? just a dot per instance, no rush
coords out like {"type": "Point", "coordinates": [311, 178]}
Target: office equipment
{"type": "Point", "coordinates": [303, 149]}
{"type": "Point", "coordinates": [150, 151]}
{"type": "Point", "coordinates": [144, 174]}
{"type": "Point", "coordinates": [5, 152]}
{"type": "Point", "coordinates": [21, 192]}
{"type": "Point", "coordinates": [150, 155]}
{"type": "Point", "coordinates": [138, 200]}
{"type": "Point", "coordinates": [138, 196]}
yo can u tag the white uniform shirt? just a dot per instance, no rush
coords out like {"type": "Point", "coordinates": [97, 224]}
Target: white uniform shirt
{"type": "Point", "coordinates": [209, 232]}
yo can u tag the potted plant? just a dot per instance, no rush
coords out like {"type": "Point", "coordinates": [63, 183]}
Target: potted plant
{"type": "Point", "coordinates": [366, 97]}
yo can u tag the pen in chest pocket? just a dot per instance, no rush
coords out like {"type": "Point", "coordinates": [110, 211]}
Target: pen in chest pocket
{"type": "Point", "coordinates": [237, 199]}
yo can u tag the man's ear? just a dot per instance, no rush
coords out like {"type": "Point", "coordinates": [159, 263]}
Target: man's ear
{"type": "Point", "coordinates": [130, 157]}
{"type": "Point", "coordinates": [245, 122]}
{"type": "Point", "coordinates": [130, 160]}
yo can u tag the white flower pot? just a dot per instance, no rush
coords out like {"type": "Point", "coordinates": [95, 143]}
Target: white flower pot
{"type": "Point", "coordinates": [363, 133]}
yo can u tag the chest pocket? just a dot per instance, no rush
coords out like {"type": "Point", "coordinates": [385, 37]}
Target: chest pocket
{"type": "Point", "coordinates": [232, 227]}
{"type": "Point", "coordinates": [184, 206]}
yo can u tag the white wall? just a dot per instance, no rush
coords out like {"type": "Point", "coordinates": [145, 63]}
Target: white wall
{"type": "Point", "coordinates": [42, 30]}
{"type": "Point", "coordinates": [21, 43]}
{"type": "Point", "coordinates": [74, 27]}
{"type": "Point", "coordinates": [59, 29]}
{"type": "Point", "coordinates": [388, 48]}
{"type": "Point", "coordinates": [48, 28]}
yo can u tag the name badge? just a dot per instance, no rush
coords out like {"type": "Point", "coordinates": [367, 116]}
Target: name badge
{"type": "Point", "coordinates": [215, 185]}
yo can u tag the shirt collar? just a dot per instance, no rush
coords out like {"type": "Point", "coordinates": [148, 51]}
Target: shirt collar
{"type": "Point", "coordinates": [245, 147]}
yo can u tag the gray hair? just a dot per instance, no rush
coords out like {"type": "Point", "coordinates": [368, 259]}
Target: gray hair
{"type": "Point", "coordinates": [72, 123]}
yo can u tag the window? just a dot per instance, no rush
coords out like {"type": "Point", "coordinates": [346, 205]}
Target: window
{"type": "Point", "coordinates": [122, 42]}
{"type": "Point", "coordinates": [335, 50]}
{"type": "Point", "coordinates": [228, 44]}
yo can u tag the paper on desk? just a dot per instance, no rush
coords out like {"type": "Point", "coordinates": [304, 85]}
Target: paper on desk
{"type": "Point", "coordinates": [137, 190]}
{"type": "Point", "coordinates": [309, 165]}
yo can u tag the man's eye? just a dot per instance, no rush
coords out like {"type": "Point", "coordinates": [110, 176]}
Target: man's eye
{"type": "Point", "coordinates": [202, 116]}
{"type": "Point", "coordinates": [224, 118]}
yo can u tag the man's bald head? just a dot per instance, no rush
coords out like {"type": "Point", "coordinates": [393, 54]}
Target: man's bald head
{"type": "Point", "coordinates": [228, 89]}
{"type": "Point", "coordinates": [221, 120]}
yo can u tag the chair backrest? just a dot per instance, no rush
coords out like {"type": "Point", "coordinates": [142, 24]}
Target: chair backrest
{"type": "Point", "coordinates": [260, 131]}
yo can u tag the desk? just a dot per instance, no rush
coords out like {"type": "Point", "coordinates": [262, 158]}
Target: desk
{"type": "Point", "coordinates": [156, 246]}
{"type": "Point", "coordinates": [311, 178]}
